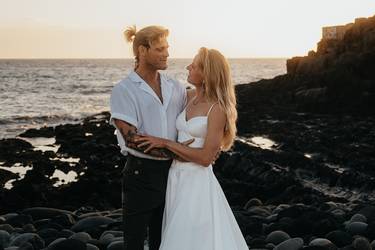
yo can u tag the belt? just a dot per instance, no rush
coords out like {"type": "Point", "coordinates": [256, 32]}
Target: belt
{"type": "Point", "coordinates": [138, 163]}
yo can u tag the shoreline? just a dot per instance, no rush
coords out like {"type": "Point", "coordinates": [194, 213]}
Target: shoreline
{"type": "Point", "coordinates": [280, 187]}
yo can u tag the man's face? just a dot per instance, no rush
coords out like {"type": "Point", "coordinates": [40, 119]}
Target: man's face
{"type": "Point", "coordinates": [156, 56]}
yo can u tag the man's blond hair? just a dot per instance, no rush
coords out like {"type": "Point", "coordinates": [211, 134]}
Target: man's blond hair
{"type": "Point", "coordinates": [144, 37]}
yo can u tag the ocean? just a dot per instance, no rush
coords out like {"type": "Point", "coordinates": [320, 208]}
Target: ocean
{"type": "Point", "coordinates": [47, 92]}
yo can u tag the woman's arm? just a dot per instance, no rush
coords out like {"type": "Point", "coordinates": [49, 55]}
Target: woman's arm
{"type": "Point", "coordinates": [203, 156]}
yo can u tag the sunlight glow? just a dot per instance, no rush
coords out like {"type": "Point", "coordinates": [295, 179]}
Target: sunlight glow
{"type": "Point", "coordinates": [239, 28]}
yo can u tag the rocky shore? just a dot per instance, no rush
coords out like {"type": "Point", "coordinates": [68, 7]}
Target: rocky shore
{"type": "Point", "coordinates": [300, 175]}
{"type": "Point", "coordinates": [339, 78]}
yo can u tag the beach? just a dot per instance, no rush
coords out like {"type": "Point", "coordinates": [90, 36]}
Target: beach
{"type": "Point", "coordinates": [300, 174]}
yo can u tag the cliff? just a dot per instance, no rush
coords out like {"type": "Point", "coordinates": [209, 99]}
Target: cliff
{"type": "Point", "coordinates": [338, 78]}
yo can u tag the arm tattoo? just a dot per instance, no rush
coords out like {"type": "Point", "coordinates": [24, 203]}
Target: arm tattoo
{"type": "Point", "coordinates": [158, 152]}
{"type": "Point", "coordinates": [129, 137]}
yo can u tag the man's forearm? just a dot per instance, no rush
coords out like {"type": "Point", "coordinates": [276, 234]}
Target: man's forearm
{"type": "Point", "coordinates": [129, 137]}
{"type": "Point", "coordinates": [160, 152]}
{"type": "Point", "coordinates": [130, 134]}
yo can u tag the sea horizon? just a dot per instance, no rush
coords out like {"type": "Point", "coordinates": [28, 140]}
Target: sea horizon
{"type": "Point", "coordinates": [48, 92]}
{"type": "Point", "coordinates": [127, 58]}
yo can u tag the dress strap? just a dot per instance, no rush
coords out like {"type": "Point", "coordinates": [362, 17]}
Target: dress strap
{"type": "Point", "coordinates": [211, 108]}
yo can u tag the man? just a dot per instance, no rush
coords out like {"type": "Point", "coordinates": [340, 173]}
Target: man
{"type": "Point", "coordinates": [145, 102]}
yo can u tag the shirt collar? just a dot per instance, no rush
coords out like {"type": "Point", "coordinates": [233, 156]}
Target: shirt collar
{"type": "Point", "coordinates": [166, 87]}
{"type": "Point", "coordinates": [134, 77]}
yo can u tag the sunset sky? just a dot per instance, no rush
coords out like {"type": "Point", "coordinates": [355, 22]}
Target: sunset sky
{"type": "Point", "coordinates": [238, 28]}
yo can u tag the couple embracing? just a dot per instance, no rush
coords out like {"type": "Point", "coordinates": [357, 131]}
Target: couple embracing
{"type": "Point", "coordinates": [171, 136]}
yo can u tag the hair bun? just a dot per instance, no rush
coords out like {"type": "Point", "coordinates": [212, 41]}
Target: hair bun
{"type": "Point", "coordinates": [129, 33]}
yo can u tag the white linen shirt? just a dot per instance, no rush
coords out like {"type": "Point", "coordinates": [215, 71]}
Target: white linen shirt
{"type": "Point", "coordinates": [135, 102]}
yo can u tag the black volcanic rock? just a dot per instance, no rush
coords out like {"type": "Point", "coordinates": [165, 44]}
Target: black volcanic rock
{"type": "Point", "coordinates": [341, 80]}
{"type": "Point", "coordinates": [41, 132]}
{"type": "Point", "coordinates": [9, 147]}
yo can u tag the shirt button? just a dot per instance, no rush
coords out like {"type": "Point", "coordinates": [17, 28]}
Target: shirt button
{"type": "Point", "coordinates": [136, 172]}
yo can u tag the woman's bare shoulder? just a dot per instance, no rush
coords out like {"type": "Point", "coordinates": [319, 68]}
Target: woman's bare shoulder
{"type": "Point", "coordinates": [216, 111]}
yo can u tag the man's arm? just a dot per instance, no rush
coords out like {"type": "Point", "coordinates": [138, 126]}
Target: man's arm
{"type": "Point", "coordinates": [129, 133]}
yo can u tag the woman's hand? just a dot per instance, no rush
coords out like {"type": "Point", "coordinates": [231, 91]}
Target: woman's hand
{"type": "Point", "coordinates": [150, 141]}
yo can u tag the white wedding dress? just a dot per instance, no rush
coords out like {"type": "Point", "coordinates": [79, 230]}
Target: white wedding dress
{"type": "Point", "coordinates": [197, 215]}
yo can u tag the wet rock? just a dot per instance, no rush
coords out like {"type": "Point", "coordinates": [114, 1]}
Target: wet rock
{"type": "Point", "coordinates": [253, 202]}
{"type": "Point", "coordinates": [321, 242]}
{"type": "Point", "coordinates": [91, 222]}
{"type": "Point", "coordinates": [6, 227]}
{"type": "Point", "coordinates": [257, 242]}
{"type": "Point", "coordinates": [370, 231]}
{"type": "Point", "coordinates": [47, 233]}
{"type": "Point", "coordinates": [117, 245]}
{"type": "Point", "coordinates": [63, 244]}
{"type": "Point", "coordinates": [91, 247]}
{"type": "Point", "coordinates": [35, 240]}
{"type": "Point", "coordinates": [358, 218]}
{"type": "Point", "coordinates": [361, 243]}
{"type": "Point", "coordinates": [65, 220]}
{"type": "Point", "coordinates": [81, 236]}
{"type": "Point", "coordinates": [29, 228]}
{"type": "Point", "coordinates": [19, 220]}
{"type": "Point", "coordinates": [249, 225]}
{"type": "Point", "coordinates": [290, 244]}
{"type": "Point", "coordinates": [11, 146]}
{"type": "Point", "coordinates": [38, 213]}
{"type": "Point", "coordinates": [339, 238]}
{"type": "Point", "coordinates": [41, 132]}
{"type": "Point", "coordinates": [356, 228]}
{"type": "Point", "coordinates": [65, 233]}
{"type": "Point", "coordinates": [368, 212]}
{"type": "Point", "coordinates": [4, 238]}
{"type": "Point", "coordinates": [276, 237]}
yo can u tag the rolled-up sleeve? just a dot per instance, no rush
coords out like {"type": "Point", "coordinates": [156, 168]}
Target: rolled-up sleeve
{"type": "Point", "coordinates": [122, 106]}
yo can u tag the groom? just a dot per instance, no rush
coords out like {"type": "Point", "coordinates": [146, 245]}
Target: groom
{"type": "Point", "coordinates": [145, 102]}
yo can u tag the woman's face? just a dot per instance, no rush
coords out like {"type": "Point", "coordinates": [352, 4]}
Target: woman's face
{"type": "Point", "coordinates": [195, 76]}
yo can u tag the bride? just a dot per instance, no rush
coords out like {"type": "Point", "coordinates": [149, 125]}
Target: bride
{"type": "Point", "coordinates": [197, 215]}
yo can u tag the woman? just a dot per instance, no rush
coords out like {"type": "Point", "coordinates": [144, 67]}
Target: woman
{"type": "Point", "coordinates": [197, 215]}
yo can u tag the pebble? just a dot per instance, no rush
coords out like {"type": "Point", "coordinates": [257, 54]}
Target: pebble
{"type": "Point", "coordinates": [276, 237]}
{"type": "Point", "coordinates": [361, 243]}
{"type": "Point", "coordinates": [356, 228]}
{"type": "Point", "coordinates": [358, 218]}
{"type": "Point", "coordinates": [291, 244]}
{"type": "Point", "coordinates": [91, 222]}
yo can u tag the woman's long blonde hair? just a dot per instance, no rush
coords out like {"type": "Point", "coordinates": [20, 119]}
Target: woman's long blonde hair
{"type": "Point", "coordinates": [144, 37]}
{"type": "Point", "coordinates": [219, 88]}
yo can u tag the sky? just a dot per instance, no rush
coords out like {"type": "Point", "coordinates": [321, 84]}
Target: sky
{"type": "Point", "coordinates": [238, 28]}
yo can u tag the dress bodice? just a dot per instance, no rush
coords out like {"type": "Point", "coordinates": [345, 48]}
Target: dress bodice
{"type": "Point", "coordinates": [196, 128]}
